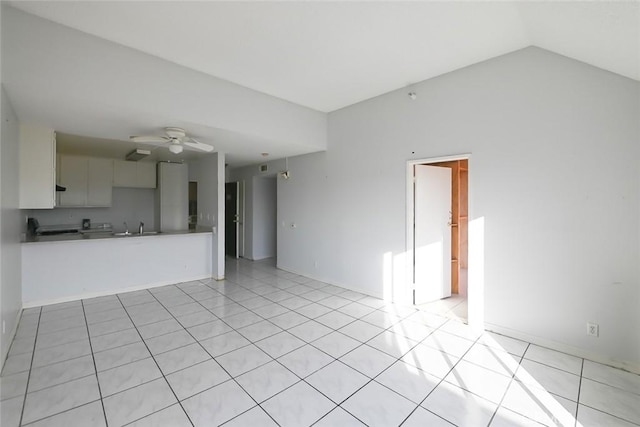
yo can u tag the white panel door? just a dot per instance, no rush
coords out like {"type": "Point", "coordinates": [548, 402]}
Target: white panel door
{"type": "Point", "coordinates": [432, 233]}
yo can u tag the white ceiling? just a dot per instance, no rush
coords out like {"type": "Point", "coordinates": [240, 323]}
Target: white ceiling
{"type": "Point", "coordinates": [321, 55]}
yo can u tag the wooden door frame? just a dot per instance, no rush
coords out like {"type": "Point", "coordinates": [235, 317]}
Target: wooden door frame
{"type": "Point", "coordinates": [411, 210]}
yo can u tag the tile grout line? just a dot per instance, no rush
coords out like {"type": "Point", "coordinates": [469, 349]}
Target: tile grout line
{"type": "Point", "coordinates": [33, 356]}
{"type": "Point", "coordinates": [579, 390]}
{"type": "Point", "coordinates": [93, 358]}
{"type": "Point", "coordinates": [159, 369]}
{"type": "Point", "coordinates": [213, 358]}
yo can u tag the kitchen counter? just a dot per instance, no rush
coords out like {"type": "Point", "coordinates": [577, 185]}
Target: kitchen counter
{"type": "Point", "coordinates": [67, 267]}
{"type": "Point", "coordinates": [74, 237]}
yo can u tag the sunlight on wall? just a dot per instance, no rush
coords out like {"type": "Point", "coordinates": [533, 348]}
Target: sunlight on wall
{"type": "Point", "coordinates": [396, 278]}
{"type": "Point", "coordinates": [476, 274]}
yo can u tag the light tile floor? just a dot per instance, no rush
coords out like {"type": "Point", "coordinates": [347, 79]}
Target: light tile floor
{"type": "Point", "coordinates": [267, 348]}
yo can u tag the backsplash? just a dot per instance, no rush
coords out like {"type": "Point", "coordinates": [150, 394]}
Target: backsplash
{"type": "Point", "coordinates": [128, 204]}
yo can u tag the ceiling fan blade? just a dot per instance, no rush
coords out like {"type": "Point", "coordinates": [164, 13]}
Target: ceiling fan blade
{"type": "Point", "coordinates": [198, 145]}
{"type": "Point", "coordinates": [149, 139]}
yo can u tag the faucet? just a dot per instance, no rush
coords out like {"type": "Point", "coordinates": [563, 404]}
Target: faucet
{"type": "Point", "coordinates": [126, 228]}
{"type": "Point", "coordinates": [141, 228]}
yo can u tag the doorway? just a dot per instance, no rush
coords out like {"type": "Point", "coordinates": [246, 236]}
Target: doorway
{"type": "Point", "coordinates": [438, 234]}
{"type": "Point", "coordinates": [231, 220]}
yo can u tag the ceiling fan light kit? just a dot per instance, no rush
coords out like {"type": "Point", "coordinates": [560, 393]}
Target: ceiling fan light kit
{"type": "Point", "coordinates": [176, 138]}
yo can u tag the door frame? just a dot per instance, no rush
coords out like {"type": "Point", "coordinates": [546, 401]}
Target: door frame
{"type": "Point", "coordinates": [411, 211]}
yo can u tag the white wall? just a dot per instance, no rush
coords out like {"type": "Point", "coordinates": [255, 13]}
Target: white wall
{"type": "Point", "coordinates": [264, 217]}
{"type": "Point", "coordinates": [209, 172]}
{"type": "Point", "coordinates": [10, 225]}
{"type": "Point", "coordinates": [128, 204]}
{"type": "Point", "coordinates": [554, 175]}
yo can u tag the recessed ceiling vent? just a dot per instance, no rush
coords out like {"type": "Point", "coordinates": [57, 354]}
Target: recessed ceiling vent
{"type": "Point", "coordinates": [264, 168]}
{"type": "Point", "coordinates": [138, 154]}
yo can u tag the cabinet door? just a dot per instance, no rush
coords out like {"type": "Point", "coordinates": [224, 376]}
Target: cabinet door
{"type": "Point", "coordinates": [73, 175]}
{"type": "Point", "coordinates": [37, 167]}
{"type": "Point", "coordinates": [146, 175]}
{"type": "Point", "coordinates": [99, 178]}
{"type": "Point", "coordinates": [124, 173]}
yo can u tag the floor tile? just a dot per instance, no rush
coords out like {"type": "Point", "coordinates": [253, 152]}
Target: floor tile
{"type": "Point", "coordinates": [337, 381]}
{"type": "Point", "coordinates": [195, 319]}
{"type": "Point", "coordinates": [376, 405]}
{"type": "Point", "coordinates": [109, 327]}
{"type": "Point", "coordinates": [536, 404]}
{"type": "Point", "coordinates": [507, 418]}
{"type": "Point", "coordinates": [313, 311]}
{"type": "Point", "coordinates": [447, 399]}
{"type": "Point", "coordinates": [428, 359]}
{"type": "Point", "coordinates": [460, 329]}
{"type": "Point", "coordinates": [335, 319]}
{"type": "Point", "coordinates": [61, 372]}
{"type": "Point", "coordinates": [10, 411]}
{"type": "Point", "coordinates": [611, 376]}
{"type": "Point", "coordinates": [554, 359]}
{"type": "Point", "coordinates": [105, 316]}
{"type": "Point", "coordinates": [159, 328]}
{"type": "Point", "coordinates": [270, 310]}
{"type": "Point", "coordinates": [492, 358]}
{"type": "Point", "coordinates": [209, 330]}
{"type": "Point", "coordinates": [53, 400]}
{"type": "Point", "coordinates": [280, 344]}
{"type": "Point", "coordinates": [172, 416]}
{"type": "Point", "coordinates": [448, 343]}
{"type": "Point", "coordinates": [356, 309]}
{"type": "Point", "coordinates": [243, 319]}
{"type": "Point", "coordinates": [23, 345]}
{"type": "Point", "coordinates": [299, 405]}
{"type": "Point", "coordinates": [612, 400]}
{"type": "Point", "coordinates": [170, 341]}
{"type": "Point", "coordinates": [422, 418]}
{"type": "Point", "coordinates": [334, 301]}
{"type": "Point", "coordinates": [412, 330]}
{"type": "Point", "coordinates": [288, 320]}
{"type": "Point", "coordinates": [551, 379]}
{"type": "Point", "coordinates": [90, 414]}
{"type": "Point", "coordinates": [120, 356]}
{"type": "Point", "coordinates": [266, 381]}
{"type": "Point", "coordinates": [181, 358]}
{"type": "Point", "coordinates": [259, 330]}
{"type": "Point", "coordinates": [381, 319]}
{"type": "Point", "coordinates": [243, 360]}
{"type": "Point", "coordinates": [60, 353]}
{"type": "Point", "coordinates": [368, 360]}
{"type": "Point", "coordinates": [253, 417]}
{"type": "Point", "coordinates": [224, 343]}
{"type": "Point", "coordinates": [115, 380]}
{"type": "Point", "coordinates": [115, 339]}
{"type": "Point", "coordinates": [294, 302]}
{"type": "Point", "coordinates": [138, 402]}
{"type": "Point", "coordinates": [62, 337]}
{"type": "Point", "coordinates": [361, 331]}
{"type": "Point", "coordinates": [217, 405]}
{"type": "Point", "coordinates": [197, 378]}
{"type": "Point", "coordinates": [310, 331]}
{"type": "Point", "coordinates": [305, 360]}
{"type": "Point", "coordinates": [408, 381]}
{"type": "Point", "coordinates": [336, 344]}
{"type": "Point", "coordinates": [338, 417]}
{"type": "Point", "coordinates": [589, 417]}
{"type": "Point", "coordinates": [13, 385]}
{"type": "Point", "coordinates": [185, 309]}
{"type": "Point", "coordinates": [393, 344]}
{"type": "Point", "coordinates": [17, 363]}
{"type": "Point", "coordinates": [479, 381]}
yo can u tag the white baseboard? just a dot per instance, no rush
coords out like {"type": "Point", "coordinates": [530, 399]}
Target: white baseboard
{"type": "Point", "coordinates": [564, 348]}
{"type": "Point", "coordinates": [88, 295]}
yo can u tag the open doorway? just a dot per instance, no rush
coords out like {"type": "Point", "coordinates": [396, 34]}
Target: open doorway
{"type": "Point", "coordinates": [231, 226]}
{"type": "Point", "coordinates": [438, 235]}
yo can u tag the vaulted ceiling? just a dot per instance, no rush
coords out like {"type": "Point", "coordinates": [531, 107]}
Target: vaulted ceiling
{"type": "Point", "coordinates": [319, 56]}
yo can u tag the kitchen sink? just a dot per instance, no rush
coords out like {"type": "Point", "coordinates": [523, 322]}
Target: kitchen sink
{"type": "Point", "coordinates": [146, 233]}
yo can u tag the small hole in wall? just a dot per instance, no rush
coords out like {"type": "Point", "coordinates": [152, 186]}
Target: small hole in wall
{"type": "Point", "coordinates": [413, 152]}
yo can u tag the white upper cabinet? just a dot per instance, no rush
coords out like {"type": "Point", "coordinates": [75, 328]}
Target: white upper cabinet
{"type": "Point", "coordinates": [134, 174]}
{"type": "Point", "coordinates": [37, 167]}
{"type": "Point", "coordinates": [88, 181]}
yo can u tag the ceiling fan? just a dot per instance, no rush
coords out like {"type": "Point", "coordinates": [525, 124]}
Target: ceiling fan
{"type": "Point", "coordinates": [176, 139]}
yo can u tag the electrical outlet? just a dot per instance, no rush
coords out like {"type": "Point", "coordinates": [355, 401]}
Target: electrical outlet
{"type": "Point", "coordinates": [593, 329]}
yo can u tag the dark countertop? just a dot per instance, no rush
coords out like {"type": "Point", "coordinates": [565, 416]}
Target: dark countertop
{"type": "Point", "coordinates": [104, 235]}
